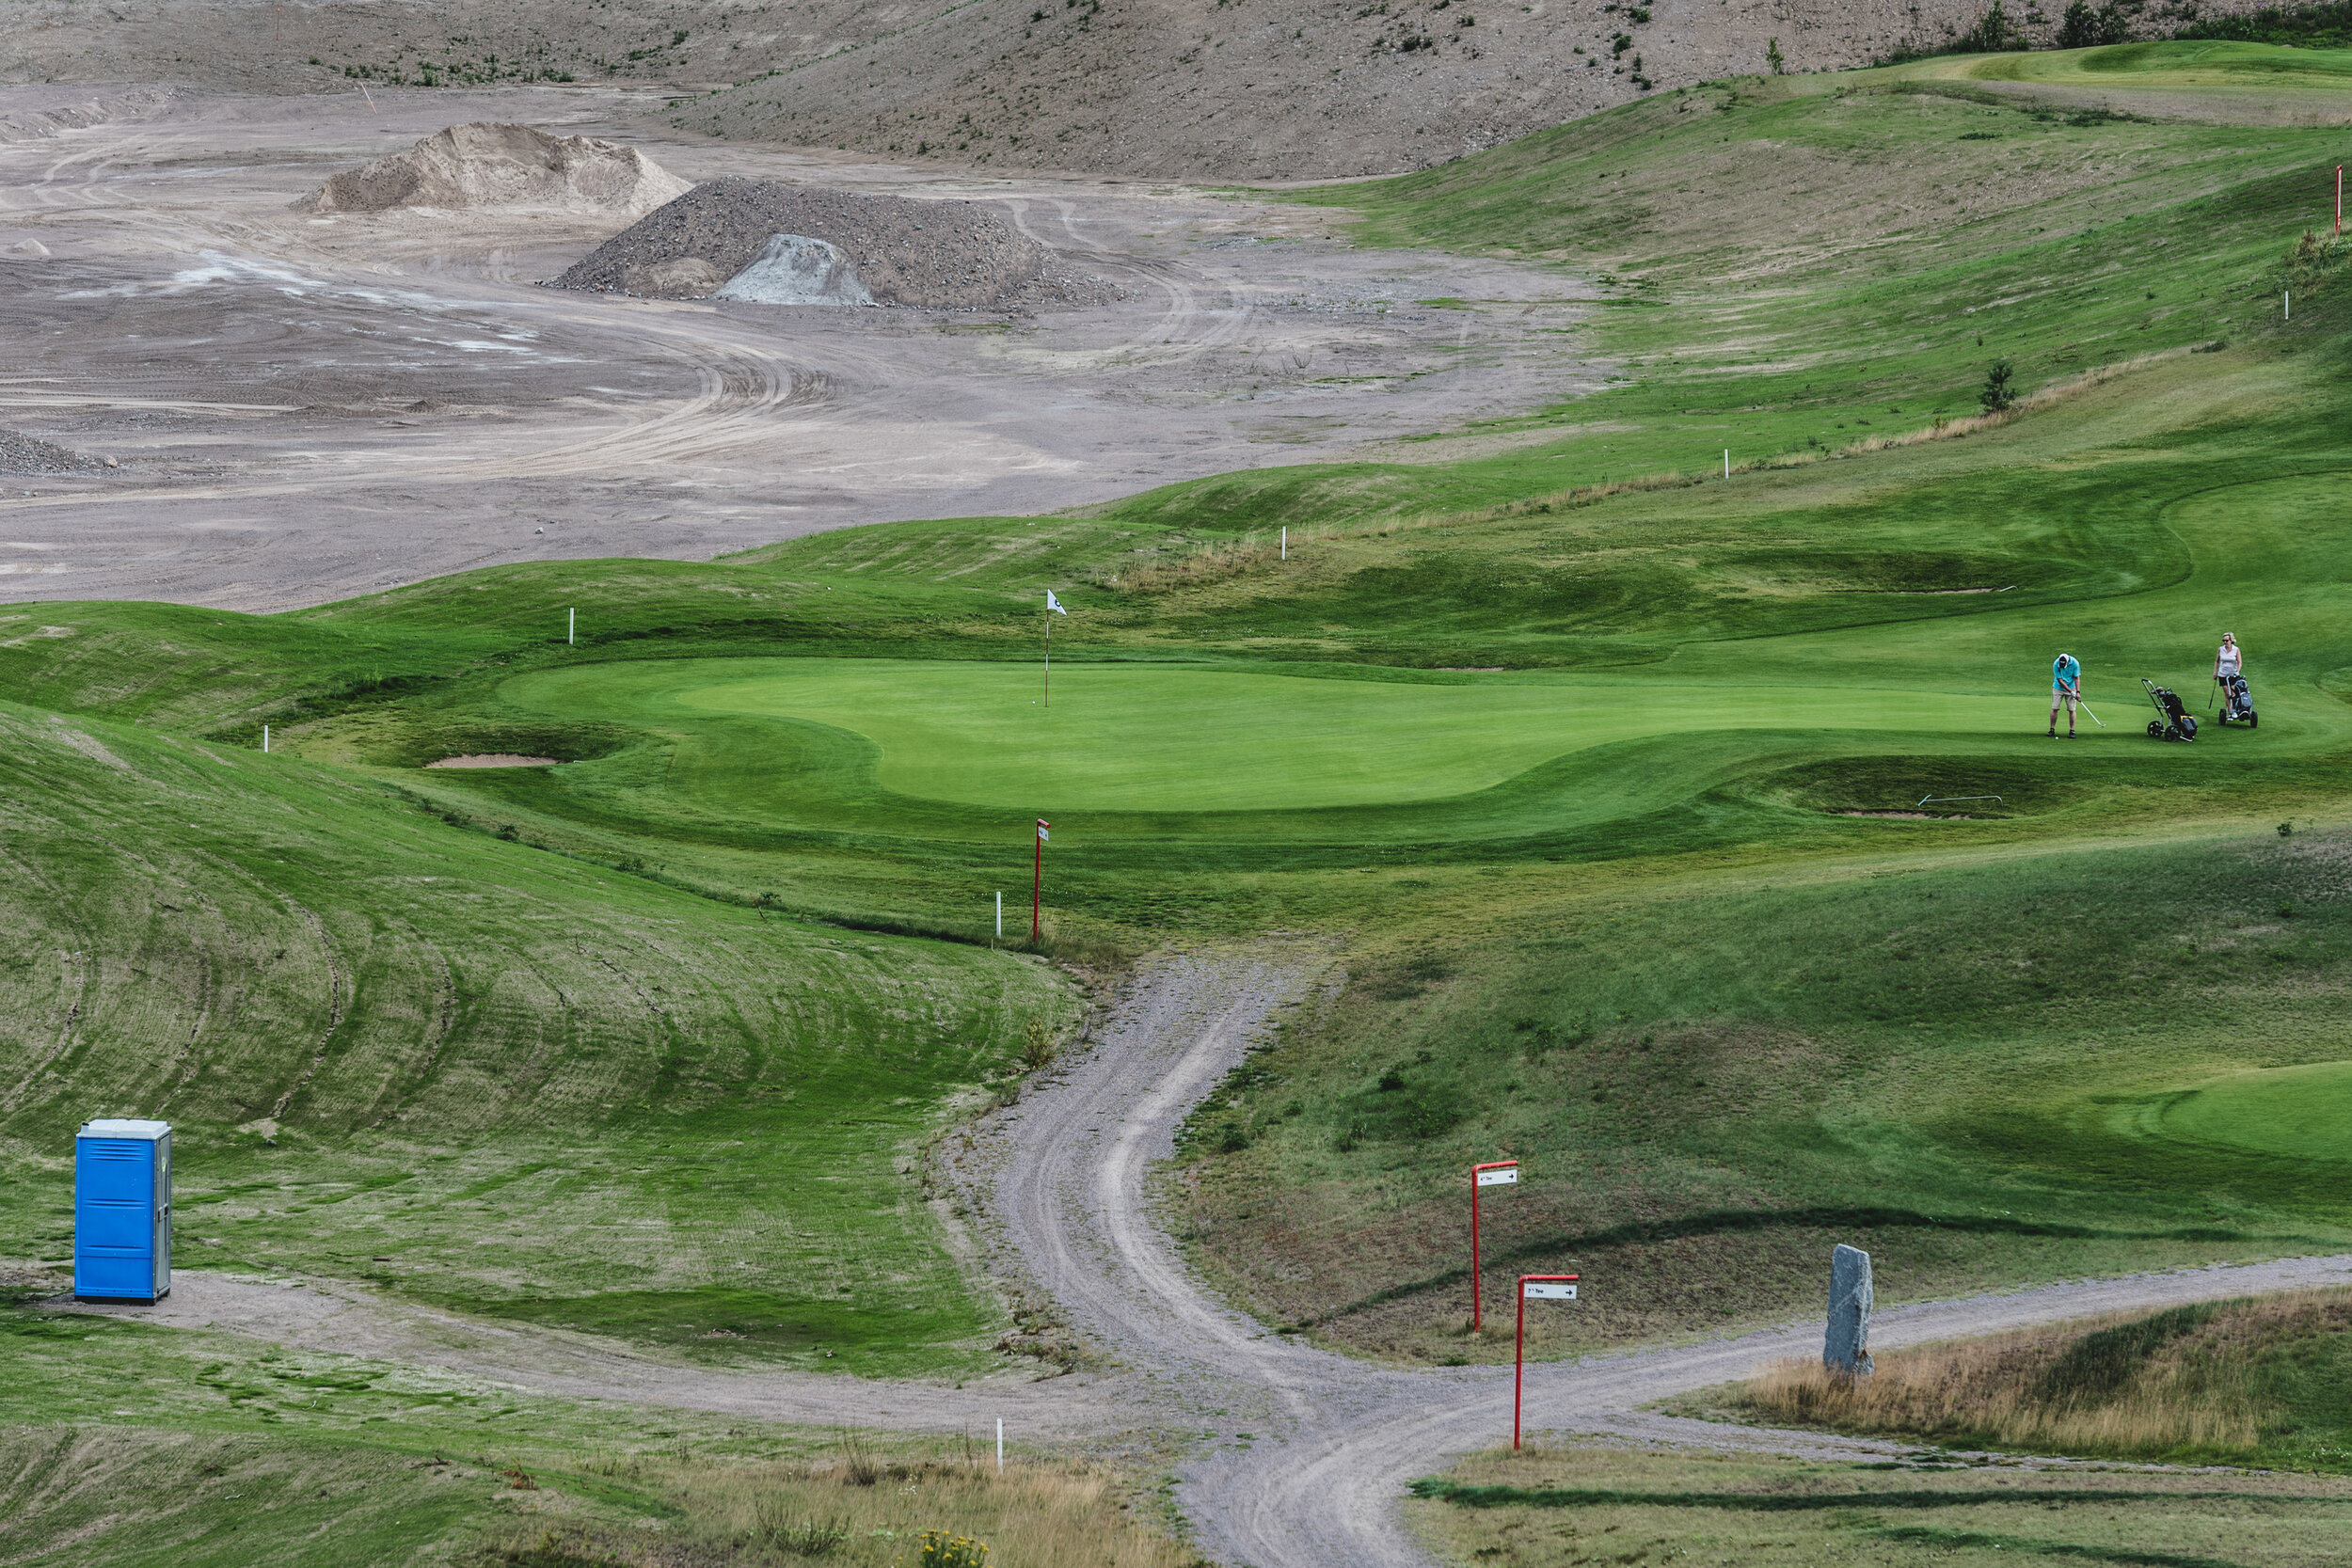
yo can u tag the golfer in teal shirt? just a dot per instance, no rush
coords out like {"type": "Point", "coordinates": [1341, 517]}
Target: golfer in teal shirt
{"type": "Point", "coordinates": [2066, 686]}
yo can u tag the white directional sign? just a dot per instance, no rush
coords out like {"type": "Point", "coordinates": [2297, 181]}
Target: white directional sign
{"type": "Point", "coordinates": [1549, 1289]}
{"type": "Point", "coordinates": [1507, 1176]}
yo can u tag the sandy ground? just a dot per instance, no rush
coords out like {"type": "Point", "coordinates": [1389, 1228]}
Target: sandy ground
{"type": "Point", "coordinates": [1298, 1455]}
{"type": "Point", "coordinates": [309, 407]}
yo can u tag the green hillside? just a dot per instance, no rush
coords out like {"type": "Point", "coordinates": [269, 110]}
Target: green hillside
{"type": "Point", "coordinates": [476, 1071]}
{"type": "Point", "coordinates": [1613, 775]}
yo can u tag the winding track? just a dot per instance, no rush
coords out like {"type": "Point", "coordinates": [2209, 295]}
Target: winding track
{"type": "Point", "coordinates": [1301, 1455]}
{"type": "Point", "coordinates": [1308, 1451]}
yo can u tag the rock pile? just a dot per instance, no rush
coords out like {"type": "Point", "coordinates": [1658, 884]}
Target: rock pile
{"type": "Point", "coordinates": [23, 455]}
{"type": "Point", "coordinates": [796, 245]}
{"type": "Point", "coordinates": [483, 164]}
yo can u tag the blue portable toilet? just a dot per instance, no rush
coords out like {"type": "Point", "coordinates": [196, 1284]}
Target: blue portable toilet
{"type": "Point", "coordinates": [122, 1210]}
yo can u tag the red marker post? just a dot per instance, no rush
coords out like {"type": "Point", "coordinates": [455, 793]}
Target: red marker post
{"type": "Point", "coordinates": [1037, 886]}
{"type": "Point", "coordinates": [1533, 1287]}
{"type": "Point", "coordinates": [1495, 1173]}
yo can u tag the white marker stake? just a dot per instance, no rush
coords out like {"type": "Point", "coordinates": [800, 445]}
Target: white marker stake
{"type": "Point", "coordinates": [1726, 461]}
{"type": "Point", "coordinates": [1000, 914]}
{"type": "Point", "coordinates": [571, 627]}
{"type": "Point", "coordinates": [1286, 542]}
{"type": "Point", "coordinates": [265, 741]}
{"type": "Point", "coordinates": [2287, 303]}
{"type": "Point", "coordinates": [1000, 1445]}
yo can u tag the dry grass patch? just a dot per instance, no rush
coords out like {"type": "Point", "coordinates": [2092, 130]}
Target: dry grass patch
{"type": "Point", "coordinates": [1560, 1507]}
{"type": "Point", "coordinates": [859, 1509]}
{"type": "Point", "coordinates": [2228, 1381]}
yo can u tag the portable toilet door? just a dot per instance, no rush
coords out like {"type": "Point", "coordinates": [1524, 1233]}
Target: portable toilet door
{"type": "Point", "coordinates": [122, 1210]}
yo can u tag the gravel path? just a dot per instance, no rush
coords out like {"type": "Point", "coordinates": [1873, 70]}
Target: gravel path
{"type": "Point", "coordinates": [1299, 1455]}
{"type": "Point", "coordinates": [1306, 1453]}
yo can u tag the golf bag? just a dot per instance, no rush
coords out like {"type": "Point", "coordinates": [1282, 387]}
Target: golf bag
{"type": "Point", "coordinates": [2238, 704]}
{"type": "Point", "coordinates": [2173, 721]}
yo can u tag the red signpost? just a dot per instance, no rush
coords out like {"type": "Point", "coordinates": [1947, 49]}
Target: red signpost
{"type": "Point", "coordinates": [1533, 1287]}
{"type": "Point", "coordinates": [1495, 1173]}
{"type": "Point", "coordinates": [1037, 885]}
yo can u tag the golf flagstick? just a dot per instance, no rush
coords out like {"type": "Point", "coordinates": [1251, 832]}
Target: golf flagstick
{"type": "Point", "coordinates": [1052, 607]}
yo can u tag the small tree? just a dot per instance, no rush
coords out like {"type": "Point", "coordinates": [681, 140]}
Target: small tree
{"type": "Point", "coordinates": [1773, 57]}
{"type": "Point", "coordinates": [1991, 35]}
{"type": "Point", "coordinates": [2084, 29]}
{"type": "Point", "coordinates": [1998, 395]}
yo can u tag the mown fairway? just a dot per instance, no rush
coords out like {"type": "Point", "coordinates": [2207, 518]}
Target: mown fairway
{"type": "Point", "coordinates": [1603, 771]}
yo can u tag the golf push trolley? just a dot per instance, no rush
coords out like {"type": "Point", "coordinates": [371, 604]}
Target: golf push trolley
{"type": "Point", "coordinates": [2172, 721]}
{"type": "Point", "coordinates": [2237, 703]}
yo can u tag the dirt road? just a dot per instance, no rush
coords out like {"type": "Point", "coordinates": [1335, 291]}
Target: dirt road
{"type": "Point", "coordinates": [1305, 1453]}
{"type": "Point", "coordinates": [1299, 1455]}
{"type": "Point", "coordinates": [305, 407]}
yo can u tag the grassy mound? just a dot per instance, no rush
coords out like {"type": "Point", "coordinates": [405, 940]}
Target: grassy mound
{"type": "Point", "coordinates": [475, 1070]}
{"type": "Point", "coordinates": [2262, 1382]}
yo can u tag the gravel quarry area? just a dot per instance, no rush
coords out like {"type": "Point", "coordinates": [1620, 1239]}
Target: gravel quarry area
{"type": "Point", "coordinates": [940, 255]}
{"type": "Point", "coordinates": [306, 405]}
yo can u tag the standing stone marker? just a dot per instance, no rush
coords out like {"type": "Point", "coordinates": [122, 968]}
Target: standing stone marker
{"type": "Point", "coordinates": [1847, 1349]}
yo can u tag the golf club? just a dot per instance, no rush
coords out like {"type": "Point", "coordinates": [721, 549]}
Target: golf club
{"type": "Point", "coordinates": [2086, 707]}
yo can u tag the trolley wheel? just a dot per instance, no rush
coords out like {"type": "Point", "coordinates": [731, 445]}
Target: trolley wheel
{"type": "Point", "coordinates": [2253, 719]}
{"type": "Point", "coordinates": [2155, 728]}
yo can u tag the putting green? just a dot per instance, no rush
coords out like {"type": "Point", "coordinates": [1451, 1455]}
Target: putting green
{"type": "Point", "coordinates": [1162, 738]}
{"type": "Point", "coordinates": [2302, 1112]}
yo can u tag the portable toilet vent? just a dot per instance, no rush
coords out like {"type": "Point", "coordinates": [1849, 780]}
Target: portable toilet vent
{"type": "Point", "coordinates": [122, 1210]}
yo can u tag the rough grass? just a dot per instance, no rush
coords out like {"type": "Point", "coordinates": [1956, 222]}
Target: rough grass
{"type": "Point", "coordinates": [2262, 1381]}
{"type": "Point", "coordinates": [478, 1071]}
{"type": "Point", "coordinates": [1553, 1507]}
{"type": "Point", "coordinates": [1981, 1072]}
{"type": "Point", "coordinates": [858, 1507]}
{"type": "Point", "coordinates": [126, 1444]}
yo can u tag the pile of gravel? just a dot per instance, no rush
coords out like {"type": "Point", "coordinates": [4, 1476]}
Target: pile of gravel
{"type": "Point", "coordinates": [22, 454]}
{"type": "Point", "coordinates": [490, 165]}
{"type": "Point", "coordinates": [885, 249]}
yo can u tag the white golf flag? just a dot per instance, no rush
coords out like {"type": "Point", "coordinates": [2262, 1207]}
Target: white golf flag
{"type": "Point", "coordinates": [1053, 604]}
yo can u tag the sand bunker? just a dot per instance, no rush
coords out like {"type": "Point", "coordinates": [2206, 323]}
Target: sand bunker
{"type": "Point", "coordinates": [486, 165]}
{"type": "Point", "coordinates": [497, 759]}
{"type": "Point", "coordinates": [765, 240]}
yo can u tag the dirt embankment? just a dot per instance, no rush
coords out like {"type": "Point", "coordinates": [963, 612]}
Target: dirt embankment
{"type": "Point", "coordinates": [722, 238]}
{"type": "Point", "coordinates": [1281, 89]}
{"type": "Point", "coordinates": [465, 167]}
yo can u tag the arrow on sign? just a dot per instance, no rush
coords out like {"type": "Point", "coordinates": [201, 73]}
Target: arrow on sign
{"type": "Point", "coordinates": [1533, 1287]}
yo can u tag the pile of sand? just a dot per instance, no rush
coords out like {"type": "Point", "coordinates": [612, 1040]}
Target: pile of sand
{"type": "Point", "coordinates": [501, 165]}
{"type": "Point", "coordinates": [794, 244]}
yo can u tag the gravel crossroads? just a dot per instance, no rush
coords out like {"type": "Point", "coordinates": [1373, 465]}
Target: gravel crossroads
{"type": "Point", "coordinates": [1307, 1452]}
{"type": "Point", "coordinates": [1299, 1456]}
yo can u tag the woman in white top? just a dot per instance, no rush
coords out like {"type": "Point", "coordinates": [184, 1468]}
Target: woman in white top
{"type": "Point", "coordinates": [2229, 660]}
